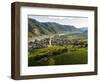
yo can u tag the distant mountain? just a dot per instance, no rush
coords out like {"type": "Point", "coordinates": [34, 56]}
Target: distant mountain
{"type": "Point", "coordinates": [60, 28]}
{"type": "Point", "coordinates": [83, 29]}
{"type": "Point", "coordinates": [36, 28]}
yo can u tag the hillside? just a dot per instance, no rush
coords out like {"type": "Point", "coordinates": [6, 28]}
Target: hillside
{"type": "Point", "coordinates": [36, 28]}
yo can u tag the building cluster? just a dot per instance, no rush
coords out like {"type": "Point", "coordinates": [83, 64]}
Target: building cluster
{"type": "Point", "coordinates": [54, 42]}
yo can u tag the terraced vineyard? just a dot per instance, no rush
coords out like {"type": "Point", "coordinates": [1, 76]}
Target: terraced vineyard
{"type": "Point", "coordinates": [58, 55]}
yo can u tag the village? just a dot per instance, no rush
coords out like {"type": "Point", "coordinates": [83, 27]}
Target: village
{"type": "Point", "coordinates": [44, 43]}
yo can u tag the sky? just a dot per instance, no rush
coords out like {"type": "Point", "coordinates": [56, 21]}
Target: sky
{"type": "Point", "coordinates": [78, 22]}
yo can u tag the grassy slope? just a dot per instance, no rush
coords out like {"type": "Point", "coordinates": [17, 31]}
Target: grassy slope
{"type": "Point", "coordinates": [72, 57]}
{"type": "Point", "coordinates": [62, 55]}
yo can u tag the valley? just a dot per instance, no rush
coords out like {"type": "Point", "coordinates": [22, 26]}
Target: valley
{"type": "Point", "coordinates": [51, 43]}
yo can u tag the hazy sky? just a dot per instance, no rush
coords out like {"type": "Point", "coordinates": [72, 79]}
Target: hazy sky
{"type": "Point", "coordinates": [65, 20]}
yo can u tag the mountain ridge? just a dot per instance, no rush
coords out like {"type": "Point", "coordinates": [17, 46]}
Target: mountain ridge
{"type": "Point", "coordinates": [36, 28]}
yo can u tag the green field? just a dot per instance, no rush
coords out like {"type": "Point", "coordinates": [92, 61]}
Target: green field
{"type": "Point", "coordinates": [58, 55]}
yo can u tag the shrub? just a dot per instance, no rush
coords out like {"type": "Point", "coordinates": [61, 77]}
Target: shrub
{"type": "Point", "coordinates": [51, 61]}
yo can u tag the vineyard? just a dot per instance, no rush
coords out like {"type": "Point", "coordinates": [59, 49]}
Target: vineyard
{"type": "Point", "coordinates": [58, 55]}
